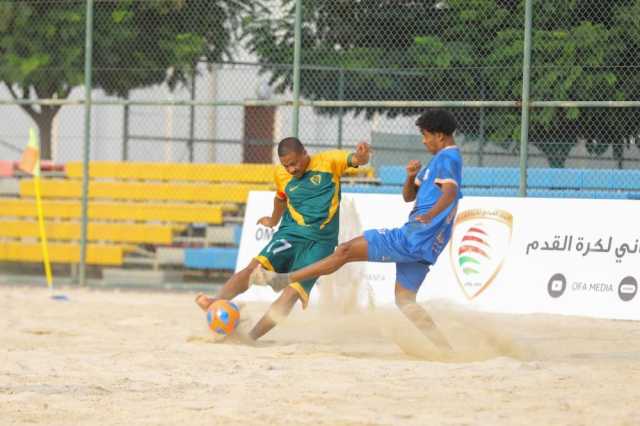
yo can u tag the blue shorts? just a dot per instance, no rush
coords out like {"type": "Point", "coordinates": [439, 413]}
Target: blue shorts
{"type": "Point", "coordinates": [389, 245]}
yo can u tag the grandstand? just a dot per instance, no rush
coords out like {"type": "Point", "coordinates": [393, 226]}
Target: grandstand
{"type": "Point", "coordinates": [157, 216]}
{"type": "Point", "coordinates": [143, 216]}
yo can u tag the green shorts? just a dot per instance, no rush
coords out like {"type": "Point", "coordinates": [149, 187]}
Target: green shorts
{"type": "Point", "coordinates": [287, 253]}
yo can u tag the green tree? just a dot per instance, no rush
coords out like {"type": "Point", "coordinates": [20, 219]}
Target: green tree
{"type": "Point", "coordinates": [469, 50]}
{"type": "Point", "coordinates": [136, 44]}
{"type": "Point", "coordinates": [581, 51]}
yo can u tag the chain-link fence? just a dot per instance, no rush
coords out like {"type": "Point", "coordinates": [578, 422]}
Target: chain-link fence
{"type": "Point", "coordinates": [216, 82]}
{"type": "Point", "coordinates": [401, 51]}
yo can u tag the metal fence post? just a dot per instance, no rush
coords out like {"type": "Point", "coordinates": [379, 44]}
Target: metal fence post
{"type": "Point", "coordinates": [296, 68]}
{"type": "Point", "coordinates": [340, 110]}
{"type": "Point", "coordinates": [88, 84]}
{"type": "Point", "coordinates": [192, 115]}
{"type": "Point", "coordinates": [125, 131]}
{"type": "Point", "coordinates": [526, 75]}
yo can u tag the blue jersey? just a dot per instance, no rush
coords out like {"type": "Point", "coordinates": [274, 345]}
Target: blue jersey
{"type": "Point", "coordinates": [429, 239]}
{"type": "Point", "coordinates": [415, 246]}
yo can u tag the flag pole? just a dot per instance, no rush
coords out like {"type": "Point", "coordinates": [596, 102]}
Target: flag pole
{"type": "Point", "coordinates": [43, 234]}
{"type": "Point", "coordinates": [30, 163]}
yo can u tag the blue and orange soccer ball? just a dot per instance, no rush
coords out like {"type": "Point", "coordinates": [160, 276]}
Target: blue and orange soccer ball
{"type": "Point", "coordinates": [223, 316]}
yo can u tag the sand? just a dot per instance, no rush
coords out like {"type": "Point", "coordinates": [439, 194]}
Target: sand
{"type": "Point", "coordinates": [118, 358]}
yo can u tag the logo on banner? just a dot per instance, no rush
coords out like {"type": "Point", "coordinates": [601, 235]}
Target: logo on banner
{"type": "Point", "coordinates": [263, 233]}
{"type": "Point", "coordinates": [480, 242]}
{"type": "Point", "coordinates": [627, 289]}
{"type": "Point", "coordinates": [557, 285]}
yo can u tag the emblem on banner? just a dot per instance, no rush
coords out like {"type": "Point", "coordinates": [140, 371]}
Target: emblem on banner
{"type": "Point", "coordinates": [479, 245]}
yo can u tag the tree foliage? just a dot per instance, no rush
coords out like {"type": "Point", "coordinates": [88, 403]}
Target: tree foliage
{"type": "Point", "coordinates": [469, 50]}
{"type": "Point", "coordinates": [136, 44]}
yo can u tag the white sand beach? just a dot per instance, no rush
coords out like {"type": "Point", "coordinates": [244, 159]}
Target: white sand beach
{"type": "Point", "coordinates": [110, 357]}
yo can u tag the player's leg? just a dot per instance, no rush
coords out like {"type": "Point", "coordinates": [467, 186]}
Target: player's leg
{"type": "Point", "coordinates": [409, 277]}
{"type": "Point", "coordinates": [278, 311]}
{"type": "Point", "coordinates": [303, 253]}
{"type": "Point", "coordinates": [295, 250]}
{"type": "Point", "coordinates": [238, 283]}
{"type": "Point", "coordinates": [352, 251]}
{"type": "Point", "coordinates": [275, 256]}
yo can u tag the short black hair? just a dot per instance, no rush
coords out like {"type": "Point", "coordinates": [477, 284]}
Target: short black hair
{"type": "Point", "coordinates": [437, 121]}
{"type": "Point", "coordinates": [287, 145]}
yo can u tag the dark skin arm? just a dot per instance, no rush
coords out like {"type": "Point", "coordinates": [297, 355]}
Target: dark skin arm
{"type": "Point", "coordinates": [279, 206]}
{"type": "Point", "coordinates": [361, 156]}
{"type": "Point", "coordinates": [410, 189]}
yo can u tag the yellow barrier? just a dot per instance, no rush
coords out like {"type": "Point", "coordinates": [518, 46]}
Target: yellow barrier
{"type": "Point", "coordinates": [115, 232]}
{"type": "Point", "coordinates": [58, 188]}
{"type": "Point", "coordinates": [129, 203]}
{"type": "Point", "coordinates": [97, 254]}
{"type": "Point", "coordinates": [182, 213]}
{"type": "Point", "coordinates": [175, 172]}
{"type": "Point", "coordinates": [245, 172]}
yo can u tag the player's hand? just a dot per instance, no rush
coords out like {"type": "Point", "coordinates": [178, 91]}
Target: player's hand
{"type": "Point", "coordinates": [363, 152]}
{"type": "Point", "coordinates": [424, 218]}
{"type": "Point", "coordinates": [266, 221]}
{"type": "Point", "coordinates": [413, 167]}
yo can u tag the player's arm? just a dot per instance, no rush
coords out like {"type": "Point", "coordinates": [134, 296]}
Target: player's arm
{"type": "Point", "coordinates": [449, 193]}
{"type": "Point", "coordinates": [361, 155]}
{"type": "Point", "coordinates": [410, 188]}
{"type": "Point", "coordinates": [279, 206]}
{"type": "Point", "coordinates": [279, 202]}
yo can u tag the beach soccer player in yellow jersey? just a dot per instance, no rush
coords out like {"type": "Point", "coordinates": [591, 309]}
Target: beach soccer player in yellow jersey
{"type": "Point", "coordinates": [416, 245]}
{"type": "Point", "coordinates": [307, 200]}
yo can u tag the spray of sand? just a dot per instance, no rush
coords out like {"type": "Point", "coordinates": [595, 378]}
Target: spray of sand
{"type": "Point", "coordinates": [347, 320]}
{"type": "Point", "coordinates": [383, 332]}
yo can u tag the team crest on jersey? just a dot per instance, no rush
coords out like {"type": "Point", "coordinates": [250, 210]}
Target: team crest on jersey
{"type": "Point", "coordinates": [479, 245]}
{"type": "Point", "coordinates": [316, 179]}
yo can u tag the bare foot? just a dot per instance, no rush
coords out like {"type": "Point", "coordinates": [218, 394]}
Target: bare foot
{"type": "Point", "coordinates": [204, 301]}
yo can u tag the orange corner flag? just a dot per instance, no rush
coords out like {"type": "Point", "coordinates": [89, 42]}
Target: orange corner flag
{"type": "Point", "coordinates": [30, 161]}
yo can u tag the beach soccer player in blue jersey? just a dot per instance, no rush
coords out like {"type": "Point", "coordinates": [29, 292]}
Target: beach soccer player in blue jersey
{"type": "Point", "coordinates": [416, 245]}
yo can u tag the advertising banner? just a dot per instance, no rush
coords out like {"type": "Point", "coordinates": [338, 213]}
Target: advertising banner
{"type": "Point", "coordinates": [511, 255]}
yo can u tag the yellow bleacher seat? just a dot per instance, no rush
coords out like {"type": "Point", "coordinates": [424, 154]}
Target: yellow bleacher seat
{"type": "Point", "coordinates": [97, 254]}
{"type": "Point", "coordinates": [116, 232]}
{"type": "Point", "coordinates": [129, 204]}
{"type": "Point", "coordinates": [172, 212]}
{"type": "Point", "coordinates": [245, 172]}
{"type": "Point", "coordinates": [59, 188]}
{"type": "Point", "coordinates": [175, 171]}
